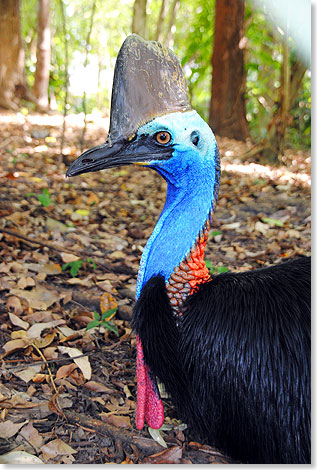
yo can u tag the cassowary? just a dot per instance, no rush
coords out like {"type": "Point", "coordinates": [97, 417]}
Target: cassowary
{"type": "Point", "coordinates": [232, 350]}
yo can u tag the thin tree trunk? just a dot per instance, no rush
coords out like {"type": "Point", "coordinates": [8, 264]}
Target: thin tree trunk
{"type": "Point", "coordinates": [82, 140]}
{"type": "Point", "coordinates": [66, 78]}
{"type": "Point", "coordinates": [269, 148]}
{"type": "Point", "coordinates": [43, 53]}
{"type": "Point", "coordinates": [227, 106]}
{"type": "Point", "coordinates": [139, 17]}
{"type": "Point", "coordinates": [169, 36]}
{"type": "Point", "coordinates": [12, 78]}
{"type": "Point", "coordinates": [285, 87]}
{"type": "Point", "coordinates": [160, 21]}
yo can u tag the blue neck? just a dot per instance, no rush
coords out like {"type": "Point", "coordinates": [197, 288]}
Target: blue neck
{"type": "Point", "coordinates": [187, 208]}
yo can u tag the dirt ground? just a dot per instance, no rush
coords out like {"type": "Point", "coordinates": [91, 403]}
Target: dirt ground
{"type": "Point", "coordinates": [70, 250]}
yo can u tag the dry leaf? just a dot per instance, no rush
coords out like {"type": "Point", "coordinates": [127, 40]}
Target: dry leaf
{"type": "Point", "coordinates": [82, 282]}
{"type": "Point", "coordinates": [24, 282]}
{"type": "Point", "coordinates": [119, 421]}
{"type": "Point", "coordinates": [14, 345]}
{"type": "Point", "coordinates": [92, 198]}
{"type": "Point", "coordinates": [97, 387]}
{"type": "Point", "coordinates": [9, 428]}
{"type": "Point", "coordinates": [157, 436]}
{"type": "Point", "coordinates": [36, 330]}
{"type": "Point", "coordinates": [52, 269]}
{"type": "Point", "coordinates": [107, 302]}
{"type": "Point", "coordinates": [65, 371]}
{"type": "Point", "coordinates": [18, 322]}
{"type": "Point", "coordinates": [14, 304]}
{"type": "Point", "coordinates": [173, 455]}
{"type": "Point", "coordinates": [50, 353]}
{"type": "Point", "coordinates": [38, 298]}
{"type": "Point", "coordinates": [56, 447]}
{"type": "Point", "coordinates": [232, 226]}
{"type": "Point", "coordinates": [82, 362]}
{"type": "Point", "coordinates": [19, 457]}
{"type": "Point", "coordinates": [32, 436]}
{"type": "Point", "coordinates": [68, 257]}
{"type": "Point", "coordinates": [27, 374]}
{"type": "Point", "coordinates": [55, 406]}
{"type": "Point", "coordinates": [46, 341]}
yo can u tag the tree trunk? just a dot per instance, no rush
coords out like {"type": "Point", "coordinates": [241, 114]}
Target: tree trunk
{"type": "Point", "coordinates": [160, 21]}
{"type": "Point", "coordinates": [12, 77]}
{"type": "Point", "coordinates": [170, 30]}
{"type": "Point", "coordinates": [291, 78]}
{"type": "Point", "coordinates": [272, 145]}
{"type": "Point", "coordinates": [227, 106]}
{"type": "Point", "coordinates": [139, 18]}
{"type": "Point", "coordinates": [43, 52]}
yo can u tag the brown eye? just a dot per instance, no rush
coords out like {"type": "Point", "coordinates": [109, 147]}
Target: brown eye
{"type": "Point", "coordinates": [163, 137]}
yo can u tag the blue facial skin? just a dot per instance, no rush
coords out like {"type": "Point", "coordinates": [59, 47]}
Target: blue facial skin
{"type": "Point", "coordinates": [191, 175]}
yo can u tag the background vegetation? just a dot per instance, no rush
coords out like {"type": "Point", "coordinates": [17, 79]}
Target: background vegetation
{"type": "Point", "coordinates": [91, 32]}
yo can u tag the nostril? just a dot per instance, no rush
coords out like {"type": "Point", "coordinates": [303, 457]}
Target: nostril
{"type": "Point", "coordinates": [87, 160]}
{"type": "Point", "coordinates": [195, 140]}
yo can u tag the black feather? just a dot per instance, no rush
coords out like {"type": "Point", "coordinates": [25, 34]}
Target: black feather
{"type": "Point", "coordinates": [238, 366]}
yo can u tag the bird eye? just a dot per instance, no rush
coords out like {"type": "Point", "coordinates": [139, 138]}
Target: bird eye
{"type": "Point", "coordinates": [163, 137]}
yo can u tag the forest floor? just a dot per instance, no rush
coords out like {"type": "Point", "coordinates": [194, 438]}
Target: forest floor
{"type": "Point", "coordinates": [65, 410]}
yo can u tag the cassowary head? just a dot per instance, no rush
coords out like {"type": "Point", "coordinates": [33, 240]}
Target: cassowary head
{"type": "Point", "coordinates": [151, 123]}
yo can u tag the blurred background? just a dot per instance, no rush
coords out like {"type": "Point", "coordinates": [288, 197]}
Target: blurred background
{"type": "Point", "coordinates": [247, 64]}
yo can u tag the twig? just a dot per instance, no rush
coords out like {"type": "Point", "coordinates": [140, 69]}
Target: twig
{"type": "Point", "coordinates": [47, 366]}
{"type": "Point", "coordinates": [53, 247]}
{"type": "Point", "coordinates": [60, 249]}
{"type": "Point", "coordinates": [62, 359]}
{"type": "Point", "coordinates": [119, 435]}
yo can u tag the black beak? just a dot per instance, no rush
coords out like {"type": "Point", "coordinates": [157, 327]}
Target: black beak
{"type": "Point", "coordinates": [140, 151]}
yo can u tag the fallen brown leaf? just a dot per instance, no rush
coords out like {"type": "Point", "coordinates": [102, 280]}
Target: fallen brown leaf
{"type": "Point", "coordinates": [56, 447]}
{"type": "Point", "coordinates": [14, 305]}
{"type": "Point", "coordinates": [15, 320]}
{"type": "Point", "coordinates": [65, 371]}
{"type": "Point", "coordinates": [173, 455]}
{"type": "Point", "coordinates": [97, 387]}
{"type": "Point", "coordinates": [28, 373]}
{"type": "Point", "coordinates": [82, 362]}
{"type": "Point", "coordinates": [9, 428]}
{"type": "Point", "coordinates": [39, 298]}
{"type": "Point", "coordinates": [119, 421]}
{"type": "Point", "coordinates": [32, 435]}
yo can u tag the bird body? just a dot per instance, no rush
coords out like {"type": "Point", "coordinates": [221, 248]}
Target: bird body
{"type": "Point", "coordinates": [233, 350]}
{"type": "Point", "coordinates": [237, 363]}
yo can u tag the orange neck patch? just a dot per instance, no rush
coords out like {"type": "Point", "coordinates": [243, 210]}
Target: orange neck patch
{"type": "Point", "coordinates": [191, 272]}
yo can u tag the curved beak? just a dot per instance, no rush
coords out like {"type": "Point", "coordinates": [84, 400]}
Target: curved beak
{"type": "Point", "coordinates": [121, 152]}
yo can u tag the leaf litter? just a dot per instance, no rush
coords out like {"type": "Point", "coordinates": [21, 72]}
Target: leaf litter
{"type": "Point", "coordinates": [68, 394]}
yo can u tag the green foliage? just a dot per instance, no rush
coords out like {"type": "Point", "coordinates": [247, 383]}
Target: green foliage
{"type": "Point", "coordinates": [263, 66]}
{"type": "Point", "coordinates": [276, 222]}
{"type": "Point", "coordinates": [215, 269]}
{"type": "Point", "coordinates": [45, 198]}
{"type": "Point", "coordinates": [75, 266]}
{"type": "Point", "coordinates": [192, 40]}
{"type": "Point", "coordinates": [216, 232]}
{"type": "Point", "coordinates": [103, 321]}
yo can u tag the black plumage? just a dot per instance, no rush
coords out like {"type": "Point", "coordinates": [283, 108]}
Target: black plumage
{"type": "Point", "coordinates": [237, 365]}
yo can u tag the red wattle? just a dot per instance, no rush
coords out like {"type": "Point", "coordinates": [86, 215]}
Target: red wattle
{"type": "Point", "coordinates": [149, 404]}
